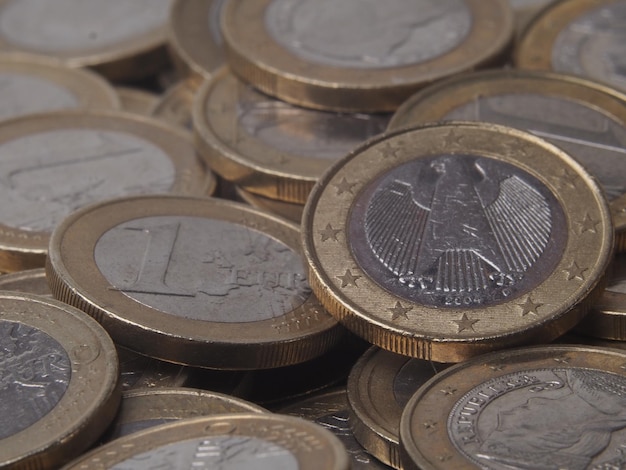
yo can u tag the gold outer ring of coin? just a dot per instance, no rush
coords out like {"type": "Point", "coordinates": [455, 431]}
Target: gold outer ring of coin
{"type": "Point", "coordinates": [138, 58]}
{"type": "Point", "coordinates": [25, 249]}
{"type": "Point", "coordinates": [424, 437]}
{"type": "Point", "coordinates": [195, 39]}
{"type": "Point", "coordinates": [258, 59]}
{"type": "Point", "coordinates": [75, 277]}
{"type": "Point", "coordinates": [174, 107]}
{"type": "Point", "coordinates": [137, 101]}
{"type": "Point", "coordinates": [312, 446]}
{"type": "Point", "coordinates": [289, 210]}
{"type": "Point", "coordinates": [435, 102]}
{"type": "Point", "coordinates": [452, 334]}
{"type": "Point", "coordinates": [89, 88]}
{"type": "Point", "coordinates": [92, 396]}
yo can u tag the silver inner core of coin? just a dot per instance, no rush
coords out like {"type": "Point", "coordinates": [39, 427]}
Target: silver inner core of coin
{"type": "Point", "coordinates": [457, 231]}
{"type": "Point", "coordinates": [524, 4]}
{"type": "Point", "coordinates": [45, 176]}
{"type": "Point", "coordinates": [368, 34]}
{"type": "Point", "coordinates": [304, 132]}
{"type": "Point", "coordinates": [593, 45]}
{"type": "Point", "coordinates": [592, 137]}
{"type": "Point", "coordinates": [35, 372]}
{"type": "Point", "coordinates": [79, 26]}
{"type": "Point", "coordinates": [411, 376]}
{"type": "Point", "coordinates": [203, 269]}
{"type": "Point", "coordinates": [553, 418]}
{"type": "Point", "coordinates": [22, 94]}
{"type": "Point", "coordinates": [219, 452]}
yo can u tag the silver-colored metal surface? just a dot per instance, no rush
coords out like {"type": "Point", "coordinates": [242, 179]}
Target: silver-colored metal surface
{"type": "Point", "coordinates": [215, 10]}
{"type": "Point", "coordinates": [22, 94]}
{"type": "Point", "coordinates": [301, 131]}
{"type": "Point", "coordinates": [34, 374]}
{"type": "Point", "coordinates": [137, 371]}
{"type": "Point", "coordinates": [591, 136]}
{"type": "Point", "coordinates": [125, 429]}
{"type": "Point", "coordinates": [523, 4]}
{"type": "Point", "coordinates": [223, 452]}
{"type": "Point", "coordinates": [398, 32]}
{"type": "Point", "coordinates": [67, 26]}
{"type": "Point", "coordinates": [457, 230]}
{"type": "Point", "coordinates": [617, 280]}
{"type": "Point", "coordinates": [47, 175]}
{"type": "Point", "coordinates": [548, 418]}
{"type": "Point", "coordinates": [411, 376]}
{"type": "Point", "coordinates": [176, 265]}
{"type": "Point", "coordinates": [593, 45]}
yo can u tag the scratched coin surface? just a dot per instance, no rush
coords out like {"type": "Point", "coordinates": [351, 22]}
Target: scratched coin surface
{"type": "Point", "coordinates": [269, 147]}
{"type": "Point", "coordinates": [581, 37]}
{"type": "Point", "coordinates": [584, 118]}
{"type": "Point", "coordinates": [151, 271]}
{"type": "Point", "coordinates": [229, 442]}
{"type": "Point", "coordinates": [320, 54]}
{"type": "Point", "coordinates": [380, 385]}
{"type": "Point", "coordinates": [449, 240]}
{"type": "Point", "coordinates": [57, 162]}
{"type": "Point", "coordinates": [124, 42]}
{"type": "Point", "coordinates": [58, 381]}
{"type": "Point", "coordinates": [537, 407]}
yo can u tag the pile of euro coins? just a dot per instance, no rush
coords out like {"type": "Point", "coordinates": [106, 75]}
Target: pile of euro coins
{"type": "Point", "coordinates": [316, 234]}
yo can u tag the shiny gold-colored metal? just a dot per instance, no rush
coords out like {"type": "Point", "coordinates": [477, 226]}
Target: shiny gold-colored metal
{"type": "Point", "coordinates": [376, 400]}
{"type": "Point", "coordinates": [174, 107]}
{"type": "Point", "coordinates": [137, 101]}
{"type": "Point", "coordinates": [437, 101]}
{"type": "Point", "coordinates": [91, 395]}
{"type": "Point", "coordinates": [294, 336]}
{"type": "Point", "coordinates": [26, 249]}
{"type": "Point", "coordinates": [427, 419]}
{"type": "Point", "coordinates": [454, 333]}
{"type": "Point", "coordinates": [258, 59]}
{"type": "Point", "coordinates": [195, 38]}
{"type": "Point", "coordinates": [289, 210]}
{"type": "Point", "coordinates": [289, 443]}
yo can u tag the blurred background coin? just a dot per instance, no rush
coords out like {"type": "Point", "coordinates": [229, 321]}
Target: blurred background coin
{"type": "Point", "coordinates": [136, 100]}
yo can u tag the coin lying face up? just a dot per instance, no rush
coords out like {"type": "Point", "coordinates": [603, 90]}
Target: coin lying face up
{"type": "Point", "coordinates": [204, 282]}
{"type": "Point", "coordinates": [449, 240]}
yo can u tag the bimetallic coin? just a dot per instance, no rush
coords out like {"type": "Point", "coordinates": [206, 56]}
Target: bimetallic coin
{"type": "Point", "coordinates": [142, 408]}
{"type": "Point", "coordinates": [195, 37]}
{"type": "Point", "coordinates": [525, 10]}
{"type": "Point", "coordinates": [202, 282]}
{"type": "Point", "coordinates": [57, 162]}
{"type": "Point", "coordinates": [379, 387]}
{"type": "Point", "coordinates": [541, 407]}
{"type": "Point", "coordinates": [289, 210]}
{"type": "Point", "coordinates": [584, 118]}
{"type": "Point", "coordinates": [143, 372]}
{"type": "Point", "coordinates": [31, 281]}
{"type": "Point", "coordinates": [125, 42]}
{"type": "Point", "coordinates": [360, 55]}
{"type": "Point", "coordinates": [137, 101]}
{"type": "Point", "coordinates": [236, 441]}
{"type": "Point", "coordinates": [331, 410]}
{"type": "Point", "coordinates": [174, 107]}
{"type": "Point", "coordinates": [449, 240]}
{"type": "Point", "coordinates": [582, 37]}
{"type": "Point", "coordinates": [269, 147]}
{"type": "Point", "coordinates": [58, 381]}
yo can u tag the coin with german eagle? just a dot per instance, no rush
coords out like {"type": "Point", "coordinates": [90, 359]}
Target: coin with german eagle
{"type": "Point", "coordinates": [449, 240]}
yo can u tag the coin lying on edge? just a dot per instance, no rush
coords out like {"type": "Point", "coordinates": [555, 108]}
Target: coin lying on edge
{"type": "Point", "coordinates": [552, 407]}
{"type": "Point", "coordinates": [360, 55]}
{"type": "Point", "coordinates": [263, 441]}
{"type": "Point", "coordinates": [59, 381]}
{"type": "Point", "coordinates": [449, 240]}
{"type": "Point", "coordinates": [198, 281]}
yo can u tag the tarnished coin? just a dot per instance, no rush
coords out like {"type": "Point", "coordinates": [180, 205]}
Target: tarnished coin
{"type": "Point", "coordinates": [137, 101]}
{"type": "Point", "coordinates": [269, 147]}
{"type": "Point", "coordinates": [379, 387]}
{"type": "Point", "coordinates": [123, 42]}
{"type": "Point", "coordinates": [174, 107]}
{"type": "Point", "coordinates": [259, 441]}
{"type": "Point", "coordinates": [203, 282]}
{"type": "Point", "coordinates": [581, 37]}
{"type": "Point", "coordinates": [331, 410]}
{"type": "Point", "coordinates": [449, 240]}
{"type": "Point", "coordinates": [58, 381]}
{"type": "Point", "coordinates": [289, 210]}
{"type": "Point", "coordinates": [53, 163]}
{"type": "Point", "coordinates": [195, 37]}
{"type": "Point", "coordinates": [145, 408]}
{"type": "Point", "coordinates": [29, 86]}
{"type": "Point", "coordinates": [584, 118]}
{"type": "Point", "coordinates": [557, 407]}
{"type": "Point", "coordinates": [360, 55]}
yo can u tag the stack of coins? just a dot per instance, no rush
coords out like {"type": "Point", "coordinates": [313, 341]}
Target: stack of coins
{"type": "Point", "coordinates": [410, 262]}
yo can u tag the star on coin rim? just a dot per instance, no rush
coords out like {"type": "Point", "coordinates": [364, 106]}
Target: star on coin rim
{"type": "Point", "coordinates": [433, 333]}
